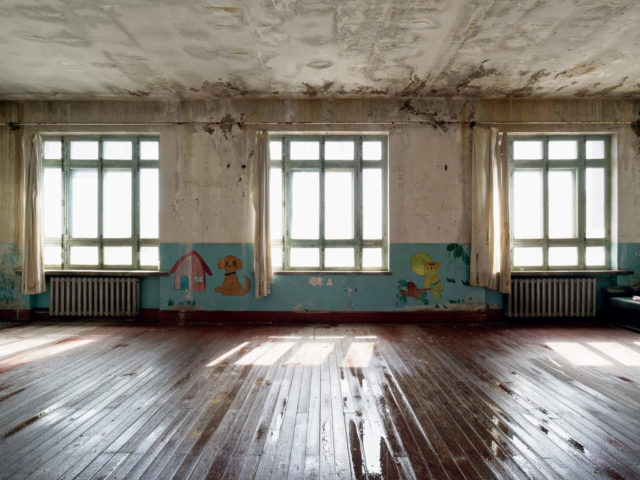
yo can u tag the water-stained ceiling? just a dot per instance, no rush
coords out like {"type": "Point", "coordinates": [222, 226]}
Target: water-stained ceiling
{"type": "Point", "coordinates": [197, 48]}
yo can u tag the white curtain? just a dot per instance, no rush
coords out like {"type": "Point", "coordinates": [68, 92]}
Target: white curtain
{"type": "Point", "coordinates": [490, 241]}
{"type": "Point", "coordinates": [260, 197]}
{"type": "Point", "coordinates": [33, 264]}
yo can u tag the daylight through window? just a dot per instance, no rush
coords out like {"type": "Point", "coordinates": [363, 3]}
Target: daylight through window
{"type": "Point", "coordinates": [560, 210]}
{"type": "Point", "coordinates": [101, 202]}
{"type": "Point", "coordinates": [328, 204]}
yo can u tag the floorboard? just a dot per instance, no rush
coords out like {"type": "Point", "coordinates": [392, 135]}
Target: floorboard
{"type": "Point", "coordinates": [443, 401]}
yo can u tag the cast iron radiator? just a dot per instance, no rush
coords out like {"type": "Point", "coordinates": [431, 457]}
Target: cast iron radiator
{"type": "Point", "coordinates": [94, 296]}
{"type": "Point", "coordinates": [552, 297]}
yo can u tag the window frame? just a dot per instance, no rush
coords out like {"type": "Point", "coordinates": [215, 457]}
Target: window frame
{"type": "Point", "coordinates": [134, 165]}
{"type": "Point", "coordinates": [580, 165]}
{"type": "Point", "coordinates": [357, 167]}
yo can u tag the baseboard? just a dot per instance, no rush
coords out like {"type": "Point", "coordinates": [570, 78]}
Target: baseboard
{"type": "Point", "coordinates": [15, 315]}
{"type": "Point", "coordinates": [175, 317]}
{"type": "Point", "coordinates": [221, 317]}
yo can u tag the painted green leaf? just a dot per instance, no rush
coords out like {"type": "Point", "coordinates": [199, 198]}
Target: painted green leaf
{"type": "Point", "coordinates": [424, 298]}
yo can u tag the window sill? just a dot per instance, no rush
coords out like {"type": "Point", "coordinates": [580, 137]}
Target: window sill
{"type": "Point", "coordinates": [332, 272]}
{"type": "Point", "coordinates": [568, 273]}
{"type": "Point", "coordinates": [106, 273]}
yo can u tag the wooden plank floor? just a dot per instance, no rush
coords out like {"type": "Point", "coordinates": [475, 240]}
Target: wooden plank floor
{"type": "Point", "coordinates": [98, 401]}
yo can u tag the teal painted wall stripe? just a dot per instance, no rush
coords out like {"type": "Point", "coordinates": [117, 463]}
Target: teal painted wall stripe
{"type": "Point", "coordinates": [313, 292]}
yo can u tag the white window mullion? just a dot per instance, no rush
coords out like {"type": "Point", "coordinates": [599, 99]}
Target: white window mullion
{"type": "Point", "coordinates": [84, 168]}
{"type": "Point", "coordinates": [564, 165]}
{"type": "Point", "coordinates": [338, 163]}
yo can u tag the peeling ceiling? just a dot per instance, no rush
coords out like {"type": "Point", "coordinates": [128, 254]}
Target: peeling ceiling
{"type": "Point", "coordinates": [331, 48]}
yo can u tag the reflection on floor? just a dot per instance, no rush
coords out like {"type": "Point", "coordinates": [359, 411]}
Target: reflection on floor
{"type": "Point", "coordinates": [354, 401]}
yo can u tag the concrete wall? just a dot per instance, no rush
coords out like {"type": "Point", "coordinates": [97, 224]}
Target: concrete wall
{"type": "Point", "coordinates": [11, 208]}
{"type": "Point", "coordinates": [205, 184]}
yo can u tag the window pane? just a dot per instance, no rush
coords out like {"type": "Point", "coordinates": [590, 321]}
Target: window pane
{"type": "Point", "coordinates": [304, 150]}
{"type": "Point", "coordinates": [52, 255]}
{"type": "Point", "coordinates": [275, 203]}
{"type": "Point", "coordinates": [372, 150]}
{"type": "Point", "coordinates": [84, 150]}
{"type": "Point", "coordinates": [338, 150]}
{"type": "Point", "coordinates": [595, 257]}
{"type": "Point", "coordinates": [305, 205]}
{"type": "Point", "coordinates": [84, 255]}
{"type": "Point", "coordinates": [149, 257]}
{"type": "Point", "coordinates": [527, 257]}
{"type": "Point", "coordinates": [52, 149]}
{"type": "Point", "coordinates": [563, 149]}
{"type": "Point", "coordinates": [116, 204]}
{"type": "Point", "coordinates": [595, 149]}
{"type": "Point", "coordinates": [562, 205]}
{"type": "Point", "coordinates": [149, 209]}
{"type": "Point", "coordinates": [338, 205]}
{"type": "Point", "coordinates": [563, 256]}
{"type": "Point", "coordinates": [276, 258]}
{"type": "Point", "coordinates": [52, 184]}
{"type": "Point", "coordinates": [116, 150]}
{"type": "Point", "coordinates": [372, 258]}
{"type": "Point", "coordinates": [275, 150]}
{"type": "Point", "coordinates": [339, 257]}
{"type": "Point", "coordinates": [527, 150]}
{"type": "Point", "coordinates": [117, 256]}
{"type": "Point", "coordinates": [84, 203]}
{"type": "Point", "coordinates": [527, 208]}
{"type": "Point", "coordinates": [304, 257]}
{"type": "Point", "coordinates": [149, 150]}
{"type": "Point", "coordinates": [595, 204]}
{"type": "Point", "coordinates": [372, 203]}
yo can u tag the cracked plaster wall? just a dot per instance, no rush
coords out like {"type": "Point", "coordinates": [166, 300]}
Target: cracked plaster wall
{"type": "Point", "coordinates": [205, 147]}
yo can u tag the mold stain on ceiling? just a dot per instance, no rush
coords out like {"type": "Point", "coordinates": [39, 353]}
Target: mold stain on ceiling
{"type": "Point", "coordinates": [319, 48]}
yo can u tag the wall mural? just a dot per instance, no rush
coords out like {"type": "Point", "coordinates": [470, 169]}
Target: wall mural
{"type": "Point", "coordinates": [231, 285]}
{"type": "Point", "coordinates": [431, 288]}
{"type": "Point", "coordinates": [422, 264]}
{"type": "Point", "coordinates": [189, 272]}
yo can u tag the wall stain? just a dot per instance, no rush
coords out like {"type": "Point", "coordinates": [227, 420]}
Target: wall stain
{"type": "Point", "coordinates": [581, 69]}
{"type": "Point", "coordinates": [226, 125]}
{"type": "Point", "coordinates": [222, 9]}
{"type": "Point", "coordinates": [320, 64]}
{"type": "Point", "coordinates": [635, 128]}
{"type": "Point", "coordinates": [363, 90]}
{"type": "Point", "coordinates": [314, 90]}
{"type": "Point", "coordinates": [139, 93]}
{"type": "Point", "coordinates": [9, 280]}
{"type": "Point", "coordinates": [527, 89]}
{"type": "Point", "coordinates": [479, 73]}
{"type": "Point", "coordinates": [416, 87]}
{"type": "Point", "coordinates": [222, 89]}
{"type": "Point", "coordinates": [608, 90]}
{"type": "Point", "coordinates": [430, 117]}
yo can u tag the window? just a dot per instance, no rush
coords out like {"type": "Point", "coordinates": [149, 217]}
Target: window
{"type": "Point", "coordinates": [559, 202]}
{"type": "Point", "coordinates": [328, 203]}
{"type": "Point", "coordinates": [101, 202]}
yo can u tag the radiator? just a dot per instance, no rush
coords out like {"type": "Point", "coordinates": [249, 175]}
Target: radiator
{"type": "Point", "coordinates": [552, 297]}
{"type": "Point", "coordinates": [94, 296]}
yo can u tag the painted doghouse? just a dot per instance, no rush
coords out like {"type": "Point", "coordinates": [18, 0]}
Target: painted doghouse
{"type": "Point", "coordinates": [189, 272]}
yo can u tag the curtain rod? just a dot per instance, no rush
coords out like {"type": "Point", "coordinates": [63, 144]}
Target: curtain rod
{"type": "Point", "coordinates": [433, 123]}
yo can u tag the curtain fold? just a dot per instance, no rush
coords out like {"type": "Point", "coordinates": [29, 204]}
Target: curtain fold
{"type": "Point", "coordinates": [260, 197]}
{"type": "Point", "coordinates": [33, 280]}
{"type": "Point", "coordinates": [490, 238]}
